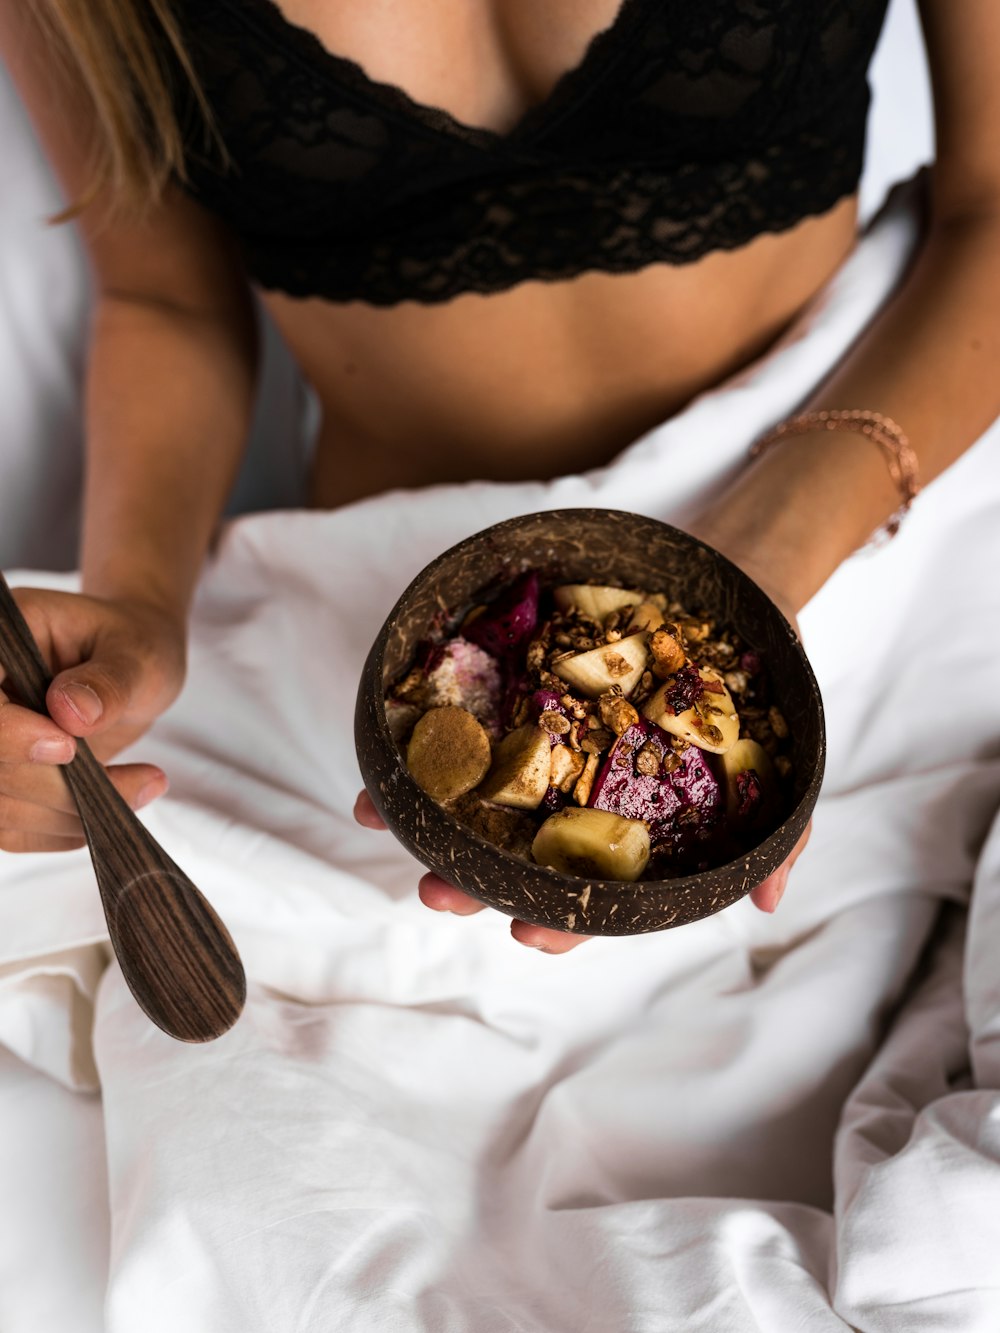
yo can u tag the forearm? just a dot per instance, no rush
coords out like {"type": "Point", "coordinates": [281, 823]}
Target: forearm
{"type": "Point", "coordinates": [169, 396]}
{"type": "Point", "coordinates": [928, 362]}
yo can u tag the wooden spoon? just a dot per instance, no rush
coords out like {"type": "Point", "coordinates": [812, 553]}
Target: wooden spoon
{"type": "Point", "coordinates": [177, 957]}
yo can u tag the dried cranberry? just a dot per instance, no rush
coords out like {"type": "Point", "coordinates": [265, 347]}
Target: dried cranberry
{"type": "Point", "coordinates": [687, 688]}
{"type": "Point", "coordinates": [750, 793]}
{"type": "Point", "coordinates": [554, 799]}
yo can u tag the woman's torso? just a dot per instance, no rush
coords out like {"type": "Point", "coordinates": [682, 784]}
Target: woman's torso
{"type": "Point", "coordinates": [542, 377]}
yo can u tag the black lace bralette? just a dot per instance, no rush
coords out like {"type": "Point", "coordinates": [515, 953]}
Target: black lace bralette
{"type": "Point", "coordinates": [689, 126]}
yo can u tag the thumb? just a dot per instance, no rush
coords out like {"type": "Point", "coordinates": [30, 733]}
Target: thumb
{"type": "Point", "coordinates": [92, 696]}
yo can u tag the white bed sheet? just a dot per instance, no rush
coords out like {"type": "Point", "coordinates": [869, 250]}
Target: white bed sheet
{"type": "Point", "coordinates": [738, 1188]}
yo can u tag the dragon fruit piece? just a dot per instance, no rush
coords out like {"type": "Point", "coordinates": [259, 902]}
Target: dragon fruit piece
{"type": "Point", "coordinates": [545, 701]}
{"type": "Point", "coordinates": [678, 799]}
{"type": "Point", "coordinates": [508, 622]}
{"type": "Point", "coordinates": [515, 686]}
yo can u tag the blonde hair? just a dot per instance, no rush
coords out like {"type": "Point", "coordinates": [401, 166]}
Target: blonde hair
{"type": "Point", "coordinates": [118, 51]}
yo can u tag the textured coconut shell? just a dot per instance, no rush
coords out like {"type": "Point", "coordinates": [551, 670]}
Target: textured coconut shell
{"type": "Point", "coordinates": [576, 546]}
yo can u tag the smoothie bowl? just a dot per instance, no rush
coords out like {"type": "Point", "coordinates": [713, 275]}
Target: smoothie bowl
{"type": "Point", "coordinates": [592, 721]}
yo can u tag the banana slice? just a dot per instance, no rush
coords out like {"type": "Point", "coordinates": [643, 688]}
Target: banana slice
{"type": "Point", "coordinates": [598, 669]}
{"type": "Point", "coordinates": [594, 600]}
{"type": "Point", "coordinates": [751, 783]}
{"type": "Point", "coordinates": [711, 723]}
{"type": "Point", "coordinates": [448, 753]}
{"type": "Point", "coordinates": [521, 766]}
{"type": "Point", "coordinates": [647, 616]}
{"type": "Point", "coordinates": [593, 843]}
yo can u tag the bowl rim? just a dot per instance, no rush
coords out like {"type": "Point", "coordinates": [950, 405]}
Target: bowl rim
{"type": "Point", "coordinates": [679, 884]}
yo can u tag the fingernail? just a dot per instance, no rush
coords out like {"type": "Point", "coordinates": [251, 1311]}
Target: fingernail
{"type": "Point", "coordinates": [52, 750]}
{"type": "Point", "coordinates": [84, 702]}
{"type": "Point", "coordinates": [153, 789]}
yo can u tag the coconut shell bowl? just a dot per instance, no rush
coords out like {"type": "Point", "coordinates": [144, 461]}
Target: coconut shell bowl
{"type": "Point", "coordinates": [585, 546]}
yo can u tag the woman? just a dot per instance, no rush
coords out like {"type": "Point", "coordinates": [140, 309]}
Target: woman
{"type": "Point", "coordinates": [398, 202]}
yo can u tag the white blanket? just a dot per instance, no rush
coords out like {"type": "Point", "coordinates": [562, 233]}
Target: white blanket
{"type": "Point", "coordinates": [421, 1127]}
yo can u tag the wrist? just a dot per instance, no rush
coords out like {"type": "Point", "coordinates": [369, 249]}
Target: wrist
{"type": "Point", "coordinates": [149, 597]}
{"type": "Point", "coordinates": [793, 515]}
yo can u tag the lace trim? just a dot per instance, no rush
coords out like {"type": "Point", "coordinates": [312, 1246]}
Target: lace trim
{"type": "Point", "coordinates": [683, 130]}
{"type": "Point", "coordinates": [576, 84]}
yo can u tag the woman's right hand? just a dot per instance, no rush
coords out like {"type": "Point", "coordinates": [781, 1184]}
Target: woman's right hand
{"type": "Point", "coordinates": [116, 666]}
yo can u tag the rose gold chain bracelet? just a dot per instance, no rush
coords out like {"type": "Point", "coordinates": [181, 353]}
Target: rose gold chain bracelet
{"type": "Point", "coordinates": [881, 430]}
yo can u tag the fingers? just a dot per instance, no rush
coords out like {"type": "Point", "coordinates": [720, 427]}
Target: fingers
{"type": "Point", "coordinates": [116, 664]}
{"type": "Point", "coordinates": [440, 896]}
{"type": "Point", "coordinates": [94, 695]}
{"type": "Point", "coordinates": [36, 809]}
{"type": "Point", "coordinates": [28, 842]}
{"type": "Point", "coordinates": [767, 895]}
{"type": "Point", "coordinates": [541, 937]}
{"type": "Point", "coordinates": [27, 737]}
{"type": "Point", "coordinates": [23, 817]}
{"type": "Point", "coordinates": [365, 812]}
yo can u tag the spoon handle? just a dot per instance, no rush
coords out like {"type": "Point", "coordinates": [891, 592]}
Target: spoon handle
{"type": "Point", "coordinates": [175, 953]}
{"type": "Point", "coordinates": [19, 653]}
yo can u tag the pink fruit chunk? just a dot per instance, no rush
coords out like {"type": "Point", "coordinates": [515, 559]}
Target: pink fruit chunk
{"type": "Point", "coordinates": [546, 701]}
{"type": "Point", "coordinates": [510, 621]}
{"type": "Point", "coordinates": [677, 805]}
{"type": "Point", "coordinates": [462, 675]}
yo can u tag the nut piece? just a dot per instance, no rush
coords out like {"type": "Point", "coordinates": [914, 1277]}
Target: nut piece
{"type": "Point", "coordinates": [448, 753]}
{"type": "Point", "coordinates": [598, 738]}
{"type": "Point", "coordinates": [565, 767]}
{"type": "Point", "coordinates": [647, 761]}
{"type": "Point", "coordinates": [737, 681]}
{"type": "Point", "coordinates": [581, 792]}
{"type": "Point", "coordinates": [616, 713]}
{"type": "Point", "coordinates": [668, 655]}
{"type": "Point", "coordinates": [777, 720]}
{"type": "Point", "coordinates": [554, 722]}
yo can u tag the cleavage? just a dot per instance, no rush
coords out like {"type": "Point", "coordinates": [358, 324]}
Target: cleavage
{"type": "Point", "coordinates": [488, 63]}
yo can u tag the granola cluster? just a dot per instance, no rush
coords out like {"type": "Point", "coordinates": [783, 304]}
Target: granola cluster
{"type": "Point", "coordinates": [680, 644]}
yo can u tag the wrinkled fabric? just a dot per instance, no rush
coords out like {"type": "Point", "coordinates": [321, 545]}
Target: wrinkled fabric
{"type": "Point", "coordinates": [787, 1122]}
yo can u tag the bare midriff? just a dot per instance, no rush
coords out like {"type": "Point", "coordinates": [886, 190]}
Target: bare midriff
{"type": "Point", "coordinates": [546, 378]}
